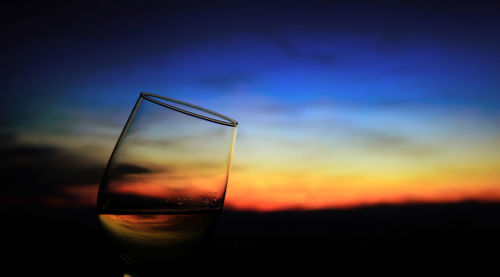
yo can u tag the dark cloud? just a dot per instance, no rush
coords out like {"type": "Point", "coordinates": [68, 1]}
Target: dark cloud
{"type": "Point", "coordinates": [132, 169]}
{"type": "Point", "coordinates": [6, 138]}
{"type": "Point", "coordinates": [123, 171]}
{"type": "Point", "coordinates": [40, 170]}
{"type": "Point", "coordinates": [29, 152]}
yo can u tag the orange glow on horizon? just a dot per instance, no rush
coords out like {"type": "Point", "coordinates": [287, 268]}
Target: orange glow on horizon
{"type": "Point", "coordinates": [267, 202]}
{"type": "Point", "coordinates": [345, 157]}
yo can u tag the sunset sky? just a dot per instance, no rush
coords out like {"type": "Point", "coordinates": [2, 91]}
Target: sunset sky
{"type": "Point", "coordinates": [339, 105]}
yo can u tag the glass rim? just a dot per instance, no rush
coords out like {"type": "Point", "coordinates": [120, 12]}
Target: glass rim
{"type": "Point", "coordinates": [149, 96]}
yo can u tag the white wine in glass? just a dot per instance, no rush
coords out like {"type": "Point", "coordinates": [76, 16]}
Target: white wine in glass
{"type": "Point", "coordinates": [165, 183]}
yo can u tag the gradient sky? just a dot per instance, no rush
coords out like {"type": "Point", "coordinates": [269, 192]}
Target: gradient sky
{"type": "Point", "coordinates": [340, 104]}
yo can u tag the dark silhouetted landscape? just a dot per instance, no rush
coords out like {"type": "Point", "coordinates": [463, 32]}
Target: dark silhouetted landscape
{"type": "Point", "coordinates": [411, 238]}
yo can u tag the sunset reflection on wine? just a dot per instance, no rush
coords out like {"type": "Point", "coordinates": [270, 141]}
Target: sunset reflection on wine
{"type": "Point", "coordinates": [152, 239]}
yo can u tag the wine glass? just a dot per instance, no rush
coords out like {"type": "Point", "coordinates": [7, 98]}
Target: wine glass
{"type": "Point", "coordinates": [165, 183]}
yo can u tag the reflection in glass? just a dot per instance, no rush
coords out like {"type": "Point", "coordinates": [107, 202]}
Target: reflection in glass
{"type": "Point", "coordinates": [165, 183]}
